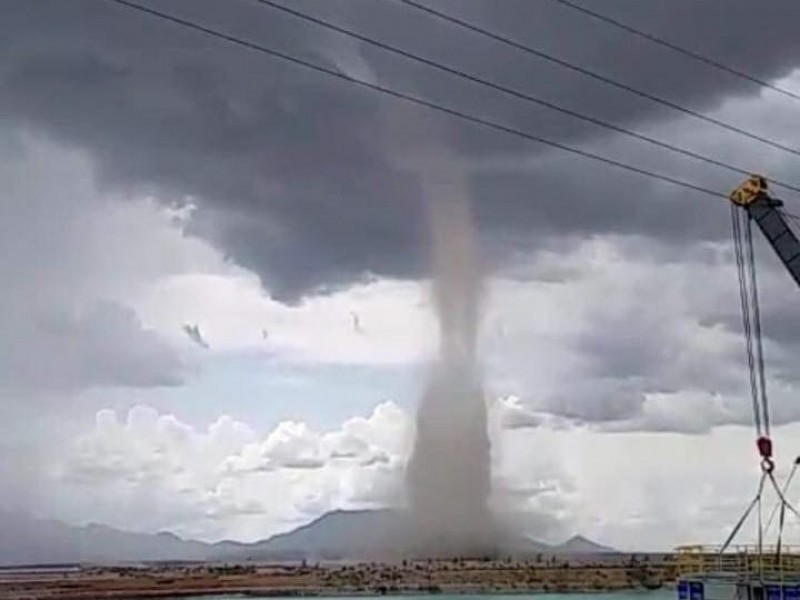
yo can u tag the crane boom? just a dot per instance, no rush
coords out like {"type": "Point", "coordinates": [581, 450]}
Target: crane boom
{"type": "Point", "coordinates": [753, 195]}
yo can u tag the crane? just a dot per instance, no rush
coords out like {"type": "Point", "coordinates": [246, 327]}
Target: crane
{"type": "Point", "coordinates": [753, 196]}
{"type": "Point", "coordinates": [751, 202]}
{"type": "Point", "coordinates": [753, 577]}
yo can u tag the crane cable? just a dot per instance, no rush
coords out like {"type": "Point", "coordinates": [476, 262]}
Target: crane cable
{"type": "Point", "coordinates": [753, 503]}
{"type": "Point", "coordinates": [743, 247]}
{"type": "Point", "coordinates": [748, 297]}
{"type": "Point", "coordinates": [779, 505]}
{"type": "Point", "coordinates": [784, 504]}
{"type": "Point", "coordinates": [751, 267]}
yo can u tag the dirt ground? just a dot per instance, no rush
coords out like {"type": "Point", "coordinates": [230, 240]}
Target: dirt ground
{"type": "Point", "coordinates": [451, 576]}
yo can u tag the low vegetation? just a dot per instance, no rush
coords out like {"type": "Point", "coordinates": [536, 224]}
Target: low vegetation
{"type": "Point", "coordinates": [535, 574]}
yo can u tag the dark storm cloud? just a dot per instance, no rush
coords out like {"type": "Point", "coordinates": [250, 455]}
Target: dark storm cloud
{"type": "Point", "coordinates": [292, 172]}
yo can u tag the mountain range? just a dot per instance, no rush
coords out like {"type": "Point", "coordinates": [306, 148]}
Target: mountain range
{"type": "Point", "coordinates": [337, 535]}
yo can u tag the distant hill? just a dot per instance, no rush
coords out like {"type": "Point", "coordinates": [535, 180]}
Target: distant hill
{"type": "Point", "coordinates": [28, 541]}
{"type": "Point", "coordinates": [580, 545]}
{"type": "Point", "coordinates": [337, 535]}
{"type": "Point", "coordinates": [378, 534]}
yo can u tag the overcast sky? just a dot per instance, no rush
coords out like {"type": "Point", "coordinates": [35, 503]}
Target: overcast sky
{"type": "Point", "coordinates": [215, 315]}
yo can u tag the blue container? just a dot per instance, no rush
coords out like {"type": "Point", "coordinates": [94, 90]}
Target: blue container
{"type": "Point", "coordinates": [683, 590]}
{"type": "Point", "coordinates": [696, 590]}
{"type": "Point", "coordinates": [791, 592]}
{"type": "Point", "coordinates": [773, 592]}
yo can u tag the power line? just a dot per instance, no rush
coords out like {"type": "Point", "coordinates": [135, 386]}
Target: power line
{"type": "Point", "coordinates": [415, 99]}
{"type": "Point", "coordinates": [597, 76]}
{"type": "Point", "coordinates": [510, 91]}
{"type": "Point", "coordinates": [675, 48]}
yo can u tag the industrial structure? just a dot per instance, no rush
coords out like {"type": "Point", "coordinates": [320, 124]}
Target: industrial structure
{"type": "Point", "coordinates": [760, 571]}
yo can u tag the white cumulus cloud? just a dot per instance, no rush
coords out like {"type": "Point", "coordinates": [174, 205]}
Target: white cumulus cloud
{"type": "Point", "coordinates": [211, 482]}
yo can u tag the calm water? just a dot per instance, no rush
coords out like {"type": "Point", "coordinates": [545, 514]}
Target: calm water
{"type": "Point", "coordinates": [655, 595]}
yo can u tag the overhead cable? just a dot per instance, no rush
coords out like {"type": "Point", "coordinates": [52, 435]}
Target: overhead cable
{"type": "Point", "coordinates": [511, 91]}
{"type": "Point", "coordinates": [597, 76]}
{"type": "Point", "coordinates": [412, 99]}
{"type": "Point", "coordinates": [676, 48]}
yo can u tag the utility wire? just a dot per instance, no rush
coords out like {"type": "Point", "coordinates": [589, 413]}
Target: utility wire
{"type": "Point", "coordinates": [675, 48]}
{"type": "Point", "coordinates": [594, 75]}
{"type": "Point", "coordinates": [415, 99]}
{"type": "Point", "coordinates": [510, 91]}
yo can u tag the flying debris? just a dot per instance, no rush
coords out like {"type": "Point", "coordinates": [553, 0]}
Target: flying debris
{"type": "Point", "coordinates": [264, 334]}
{"type": "Point", "coordinates": [193, 331]}
{"type": "Point", "coordinates": [356, 322]}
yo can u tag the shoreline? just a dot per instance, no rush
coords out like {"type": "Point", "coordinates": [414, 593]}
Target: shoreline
{"type": "Point", "coordinates": [322, 593]}
{"type": "Point", "coordinates": [454, 577]}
